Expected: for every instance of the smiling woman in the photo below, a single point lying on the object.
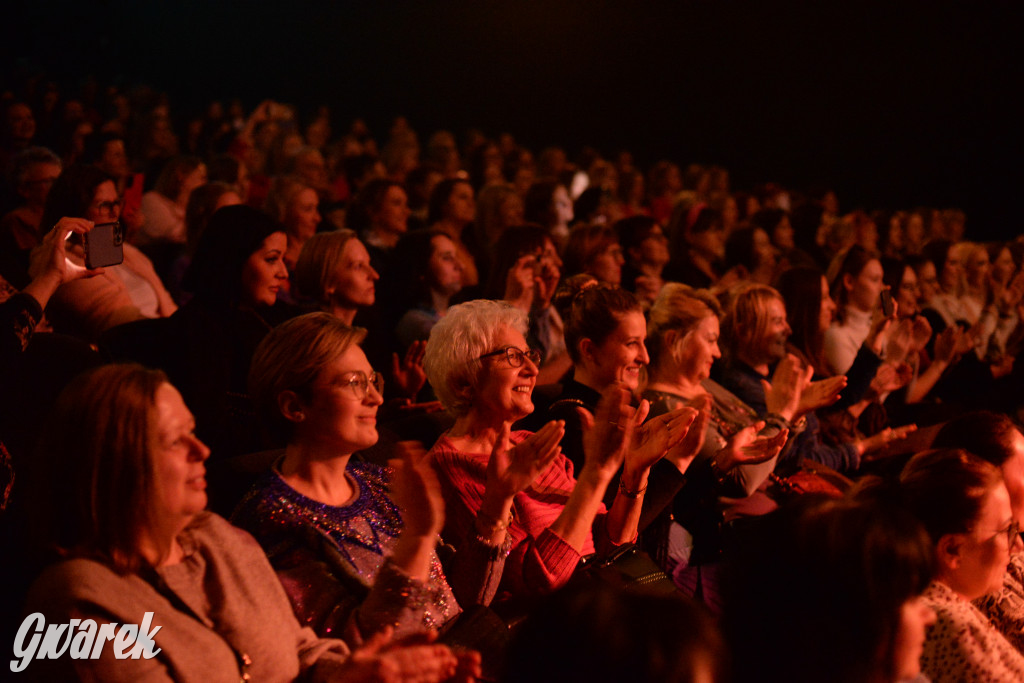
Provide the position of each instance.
(136, 546)
(498, 481)
(352, 542)
(604, 334)
(128, 519)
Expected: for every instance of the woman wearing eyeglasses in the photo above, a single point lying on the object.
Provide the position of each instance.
(121, 293)
(514, 485)
(353, 543)
(963, 502)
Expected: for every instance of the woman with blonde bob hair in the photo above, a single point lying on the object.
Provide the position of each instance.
(353, 543)
(499, 481)
(334, 271)
(738, 449)
(682, 339)
(126, 515)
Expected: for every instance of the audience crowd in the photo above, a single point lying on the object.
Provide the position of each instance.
(349, 407)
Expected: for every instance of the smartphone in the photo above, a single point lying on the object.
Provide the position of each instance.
(887, 305)
(538, 266)
(104, 245)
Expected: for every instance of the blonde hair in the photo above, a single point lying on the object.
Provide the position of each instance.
(746, 320)
(678, 308)
(291, 358)
(318, 262)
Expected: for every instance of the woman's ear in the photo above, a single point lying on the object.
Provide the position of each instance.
(587, 349)
(949, 551)
(290, 405)
(848, 282)
(465, 390)
(670, 343)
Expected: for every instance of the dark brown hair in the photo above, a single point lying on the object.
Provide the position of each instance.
(801, 290)
(594, 314)
(946, 489)
(98, 466)
(586, 243)
(841, 571)
(986, 434)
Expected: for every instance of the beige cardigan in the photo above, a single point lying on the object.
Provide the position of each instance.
(236, 606)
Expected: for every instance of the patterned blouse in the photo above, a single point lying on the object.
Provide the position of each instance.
(1005, 608)
(963, 645)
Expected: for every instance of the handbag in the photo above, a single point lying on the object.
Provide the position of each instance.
(812, 477)
(629, 569)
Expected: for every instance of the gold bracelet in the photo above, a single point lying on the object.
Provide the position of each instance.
(497, 524)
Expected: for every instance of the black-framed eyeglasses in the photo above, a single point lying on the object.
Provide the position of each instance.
(358, 382)
(515, 357)
(1012, 532)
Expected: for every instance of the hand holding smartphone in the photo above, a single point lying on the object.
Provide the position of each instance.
(104, 245)
(888, 306)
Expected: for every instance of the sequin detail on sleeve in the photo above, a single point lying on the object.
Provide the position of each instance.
(333, 560)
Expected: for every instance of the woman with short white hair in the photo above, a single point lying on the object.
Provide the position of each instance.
(497, 480)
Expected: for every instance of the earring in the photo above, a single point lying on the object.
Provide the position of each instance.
(300, 416)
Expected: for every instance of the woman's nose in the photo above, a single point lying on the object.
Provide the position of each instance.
(373, 396)
(199, 449)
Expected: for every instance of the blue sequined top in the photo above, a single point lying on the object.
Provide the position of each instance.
(332, 560)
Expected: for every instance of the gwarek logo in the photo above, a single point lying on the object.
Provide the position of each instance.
(131, 641)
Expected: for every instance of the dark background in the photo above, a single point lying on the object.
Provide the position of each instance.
(893, 106)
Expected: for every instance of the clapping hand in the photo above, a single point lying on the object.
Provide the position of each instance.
(408, 372)
(921, 334)
(683, 453)
(824, 392)
(746, 448)
(883, 438)
(656, 437)
(417, 491)
(511, 470)
(412, 659)
(782, 395)
(901, 339)
(607, 435)
(891, 376)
